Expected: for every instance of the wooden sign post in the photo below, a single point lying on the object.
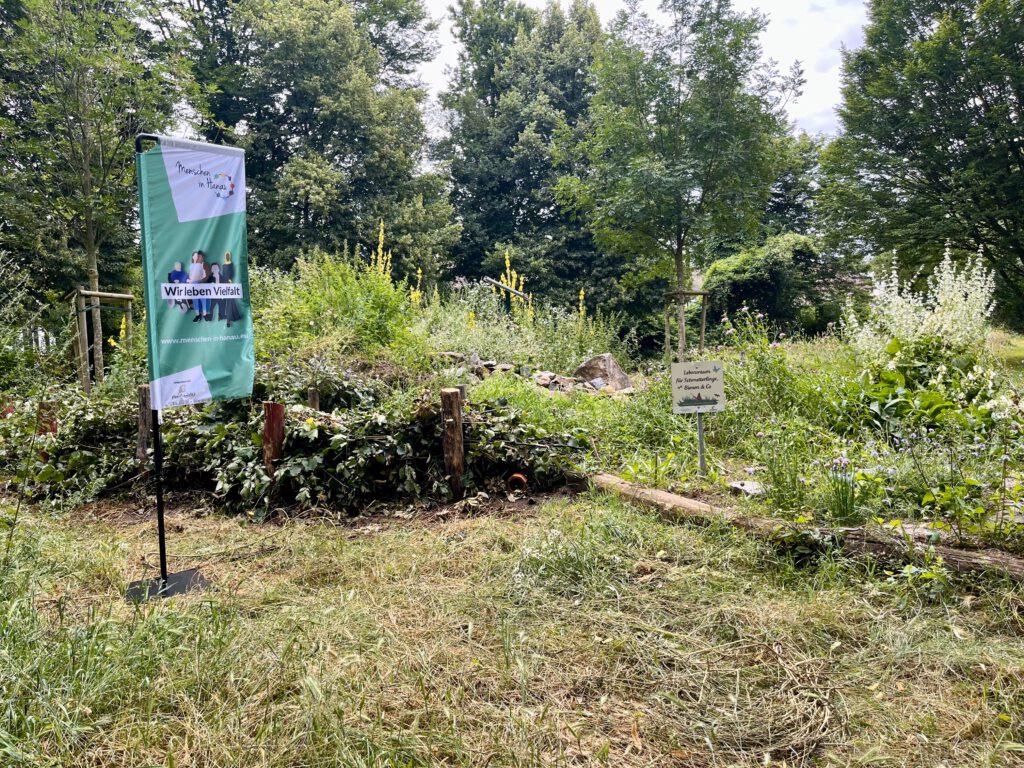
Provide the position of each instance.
(697, 386)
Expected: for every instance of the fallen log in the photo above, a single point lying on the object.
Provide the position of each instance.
(860, 540)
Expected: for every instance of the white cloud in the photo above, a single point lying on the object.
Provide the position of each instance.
(809, 31)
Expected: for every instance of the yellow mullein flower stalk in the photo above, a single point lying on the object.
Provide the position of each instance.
(471, 319)
(380, 242)
(416, 294)
(583, 307)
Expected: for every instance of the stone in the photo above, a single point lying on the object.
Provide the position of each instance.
(606, 368)
(504, 367)
(491, 364)
(543, 378)
(747, 487)
(562, 383)
(598, 383)
(455, 357)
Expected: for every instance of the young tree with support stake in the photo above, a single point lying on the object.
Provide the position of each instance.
(680, 155)
(81, 78)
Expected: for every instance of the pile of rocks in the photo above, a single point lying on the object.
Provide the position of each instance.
(599, 374)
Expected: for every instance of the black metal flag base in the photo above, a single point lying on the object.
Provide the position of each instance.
(166, 584)
(175, 584)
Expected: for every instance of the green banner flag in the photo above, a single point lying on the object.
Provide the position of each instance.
(195, 271)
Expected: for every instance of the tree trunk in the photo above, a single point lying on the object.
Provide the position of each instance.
(97, 321)
(680, 298)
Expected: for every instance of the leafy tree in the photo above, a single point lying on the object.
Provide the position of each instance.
(220, 51)
(523, 85)
(402, 34)
(792, 202)
(315, 91)
(680, 156)
(81, 79)
(931, 152)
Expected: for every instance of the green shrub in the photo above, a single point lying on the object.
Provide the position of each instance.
(783, 279)
(475, 320)
(332, 303)
(334, 463)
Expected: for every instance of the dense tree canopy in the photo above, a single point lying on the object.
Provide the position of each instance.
(621, 160)
(931, 153)
(80, 79)
(523, 83)
(316, 93)
(679, 156)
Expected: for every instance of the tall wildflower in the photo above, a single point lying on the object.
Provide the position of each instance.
(380, 262)
(416, 294)
(954, 309)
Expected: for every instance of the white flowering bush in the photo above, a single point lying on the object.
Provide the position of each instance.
(952, 313)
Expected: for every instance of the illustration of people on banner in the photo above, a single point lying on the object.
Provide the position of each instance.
(219, 302)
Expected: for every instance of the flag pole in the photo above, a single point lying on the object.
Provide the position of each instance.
(167, 584)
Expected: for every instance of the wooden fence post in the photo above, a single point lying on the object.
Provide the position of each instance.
(145, 428)
(83, 341)
(454, 452)
(273, 434)
(129, 321)
(313, 398)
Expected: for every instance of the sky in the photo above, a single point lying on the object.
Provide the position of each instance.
(812, 32)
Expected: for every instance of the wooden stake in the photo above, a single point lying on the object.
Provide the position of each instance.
(273, 434)
(313, 398)
(145, 420)
(454, 452)
(83, 342)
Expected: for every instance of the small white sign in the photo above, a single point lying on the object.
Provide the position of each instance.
(183, 388)
(698, 387)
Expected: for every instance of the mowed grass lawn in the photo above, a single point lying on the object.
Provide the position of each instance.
(577, 632)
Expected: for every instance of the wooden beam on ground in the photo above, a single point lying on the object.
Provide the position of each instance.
(676, 507)
(454, 452)
(856, 540)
